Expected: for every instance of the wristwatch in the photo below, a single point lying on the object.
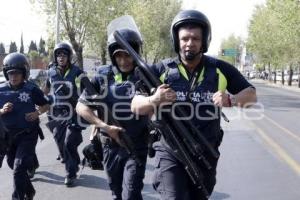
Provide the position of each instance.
(233, 100)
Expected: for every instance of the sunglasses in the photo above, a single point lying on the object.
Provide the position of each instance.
(62, 53)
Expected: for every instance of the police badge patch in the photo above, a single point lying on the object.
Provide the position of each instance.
(24, 97)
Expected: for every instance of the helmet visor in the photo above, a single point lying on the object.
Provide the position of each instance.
(14, 71)
(119, 50)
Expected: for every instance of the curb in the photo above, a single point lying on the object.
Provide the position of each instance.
(278, 85)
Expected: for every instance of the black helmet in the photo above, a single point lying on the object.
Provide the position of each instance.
(16, 61)
(132, 37)
(63, 46)
(191, 17)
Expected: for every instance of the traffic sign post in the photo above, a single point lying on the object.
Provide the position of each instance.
(229, 52)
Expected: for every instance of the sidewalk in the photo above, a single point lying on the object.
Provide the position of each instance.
(293, 87)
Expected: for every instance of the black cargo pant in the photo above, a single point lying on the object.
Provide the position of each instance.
(172, 182)
(68, 138)
(125, 176)
(20, 158)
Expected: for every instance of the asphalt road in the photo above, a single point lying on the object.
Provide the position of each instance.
(260, 157)
(261, 149)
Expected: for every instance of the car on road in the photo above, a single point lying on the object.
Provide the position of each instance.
(253, 74)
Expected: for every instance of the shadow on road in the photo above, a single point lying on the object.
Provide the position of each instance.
(92, 181)
(84, 180)
(219, 196)
(50, 178)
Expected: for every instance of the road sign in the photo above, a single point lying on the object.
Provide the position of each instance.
(229, 52)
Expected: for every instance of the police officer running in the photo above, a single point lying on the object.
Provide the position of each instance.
(64, 83)
(18, 101)
(116, 83)
(191, 36)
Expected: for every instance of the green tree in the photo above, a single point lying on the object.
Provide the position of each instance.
(2, 48)
(258, 42)
(152, 17)
(274, 34)
(85, 22)
(75, 18)
(32, 47)
(50, 48)
(155, 18)
(33, 56)
(22, 45)
(13, 47)
(287, 13)
(232, 42)
(42, 50)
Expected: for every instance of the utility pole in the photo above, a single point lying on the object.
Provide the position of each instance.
(57, 21)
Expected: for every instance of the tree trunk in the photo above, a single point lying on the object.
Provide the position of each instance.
(155, 60)
(103, 55)
(78, 51)
(269, 72)
(298, 74)
(290, 75)
(145, 56)
(79, 59)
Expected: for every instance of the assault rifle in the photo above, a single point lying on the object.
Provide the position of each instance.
(183, 137)
(126, 141)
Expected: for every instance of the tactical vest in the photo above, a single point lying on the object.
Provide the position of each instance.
(69, 78)
(22, 104)
(203, 113)
(118, 98)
